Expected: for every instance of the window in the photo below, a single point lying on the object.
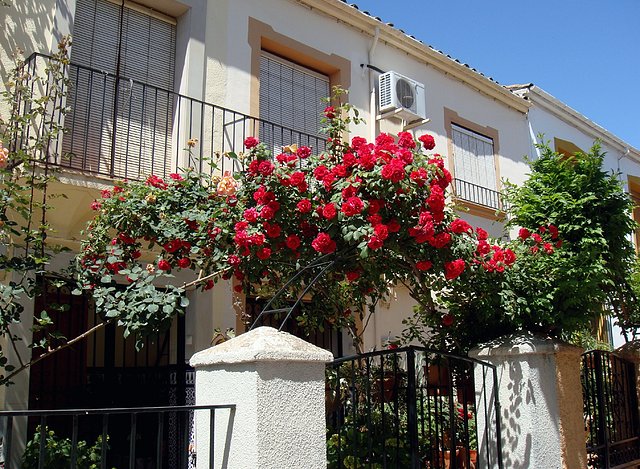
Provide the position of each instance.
(472, 159)
(289, 78)
(291, 103)
(121, 107)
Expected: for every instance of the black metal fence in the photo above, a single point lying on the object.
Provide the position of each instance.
(123, 128)
(610, 411)
(156, 437)
(411, 408)
(477, 194)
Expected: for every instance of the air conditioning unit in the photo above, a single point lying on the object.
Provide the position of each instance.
(400, 96)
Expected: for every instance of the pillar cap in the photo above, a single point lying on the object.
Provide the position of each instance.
(263, 344)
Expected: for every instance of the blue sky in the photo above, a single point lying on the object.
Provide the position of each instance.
(586, 53)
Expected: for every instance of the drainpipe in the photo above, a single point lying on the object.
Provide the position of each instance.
(372, 87)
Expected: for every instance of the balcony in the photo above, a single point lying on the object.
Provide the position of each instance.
(121, 128)
(478, 195)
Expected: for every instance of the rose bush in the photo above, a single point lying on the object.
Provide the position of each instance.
(376, 210)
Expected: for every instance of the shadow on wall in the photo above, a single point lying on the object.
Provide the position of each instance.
(27, 28)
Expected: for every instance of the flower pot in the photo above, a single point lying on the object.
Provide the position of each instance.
(437, 379)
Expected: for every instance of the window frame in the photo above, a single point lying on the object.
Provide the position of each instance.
(451, 119)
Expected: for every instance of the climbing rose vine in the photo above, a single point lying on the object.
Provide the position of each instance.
(377, 210)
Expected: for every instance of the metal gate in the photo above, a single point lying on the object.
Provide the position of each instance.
(412, 407)
(610, 411)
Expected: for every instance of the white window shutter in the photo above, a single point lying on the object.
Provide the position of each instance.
(291, 98)
(145, 110)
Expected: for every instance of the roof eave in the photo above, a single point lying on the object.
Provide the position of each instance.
(341, 11)
(538, 96)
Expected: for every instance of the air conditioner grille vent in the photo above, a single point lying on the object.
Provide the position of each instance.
(406, 94)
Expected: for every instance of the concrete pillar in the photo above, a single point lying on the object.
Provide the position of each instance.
(541, 407)
(631, 351)
(276, 381)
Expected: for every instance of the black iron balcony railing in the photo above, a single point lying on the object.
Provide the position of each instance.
(123, 128)
(477, 194)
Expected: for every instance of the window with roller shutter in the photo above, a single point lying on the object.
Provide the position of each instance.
(291, 98)
(121, 111)
(474, 166)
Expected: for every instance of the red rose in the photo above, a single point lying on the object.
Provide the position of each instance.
(267, 212)
(136, 254)
(293, 242)
(394, 171)
(304, 206)
(320, 172)
(323, 244)
(176, 177)
(105, 194)
(234, 260)
(250, 142)
(509, 256)
(303, 152)
(164, 265)
(330, 112)
(352, 206)
(264, 253)
(184, 262)
(405, 140)
(424, 265)
(453, 269)
(482, 234)
(447, 320)
(524, 233)
(553, 230)
(393, 226)
(266, 168)
(352, 275)
(156, 181)
(375, 242)
(95, 205)
(329, 211)
(172, 246)
(126, 239)
(536, 237)
(548, 248)
(272, 230)
(428, 141)
(459, 226)
(251, 215)
(381, 231)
